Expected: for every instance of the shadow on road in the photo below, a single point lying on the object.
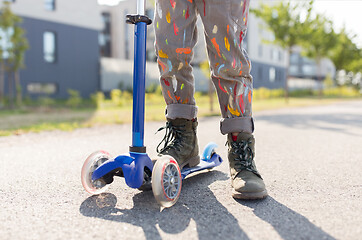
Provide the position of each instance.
(289, 224)
(197, 202)
(331, 122)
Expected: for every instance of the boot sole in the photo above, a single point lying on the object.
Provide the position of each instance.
(191, 163)
(249, 195)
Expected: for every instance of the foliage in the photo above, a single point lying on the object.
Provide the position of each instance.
(345, 52)
(127, 95)
(303, 93)
(46, 101)
(342, 91)
(97, 99)
(265, 93)
(356, 63)
(11, 53)
(74, 99)
(152, 88)
(328, 82)
(294, 23)
(116, 97)
(320, 39)
(286, 22)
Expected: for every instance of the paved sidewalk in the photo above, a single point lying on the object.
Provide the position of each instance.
(309, 157)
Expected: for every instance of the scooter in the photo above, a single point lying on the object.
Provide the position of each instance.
(165, 176)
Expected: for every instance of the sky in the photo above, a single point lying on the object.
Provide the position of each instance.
(341, 12)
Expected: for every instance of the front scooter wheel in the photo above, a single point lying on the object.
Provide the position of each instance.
(166, 181)
(92, 163)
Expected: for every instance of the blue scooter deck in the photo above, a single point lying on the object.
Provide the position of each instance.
(214, 161)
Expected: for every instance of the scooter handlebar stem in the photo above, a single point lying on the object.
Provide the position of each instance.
(141, 7)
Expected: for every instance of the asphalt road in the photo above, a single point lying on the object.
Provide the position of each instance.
(310, 158)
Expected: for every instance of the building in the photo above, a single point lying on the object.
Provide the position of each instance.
(81, 45)
(64, 47)
(306, 73)
(268, 61)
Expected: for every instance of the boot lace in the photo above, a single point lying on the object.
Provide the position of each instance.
(171, 139)
(245, 156)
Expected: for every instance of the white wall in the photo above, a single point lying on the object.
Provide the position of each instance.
(82, 13)
(256, 34)
(116, 71)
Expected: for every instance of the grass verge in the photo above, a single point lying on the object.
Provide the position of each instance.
(67, 119)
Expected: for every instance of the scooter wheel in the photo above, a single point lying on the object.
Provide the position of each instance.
(166, 181)
(91, 163)
(209, 150)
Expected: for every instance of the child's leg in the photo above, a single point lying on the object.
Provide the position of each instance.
(176, 35)
(225, 24)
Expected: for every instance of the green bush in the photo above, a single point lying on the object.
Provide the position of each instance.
(342, 91)
(97, 98)
(152, 88)
(116, 95)
(302, 93)
(46, 101)
(265, 93)
(158, 90)
(127, 96)
(74, 99)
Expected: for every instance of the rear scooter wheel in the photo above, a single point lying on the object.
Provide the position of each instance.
(92, 163)
(166, 181)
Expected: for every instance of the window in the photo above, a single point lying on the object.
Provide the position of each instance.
(260, 73)
(294, 70)
(309, 70)
(49, 5)
(105, 36)
(49, 47)
(126, 39)
(274, 55)
(150, 12)
(294, 58)
(280, 55)
(260, 50)
(272, 74)
(42, 88)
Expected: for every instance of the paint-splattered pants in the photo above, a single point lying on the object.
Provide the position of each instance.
(225, 24)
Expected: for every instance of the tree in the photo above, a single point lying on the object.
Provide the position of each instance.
(16, 60)
(346, 56)
(346, 52)
(287, 23)
(11, 51)
(356, 64)
(319, 42)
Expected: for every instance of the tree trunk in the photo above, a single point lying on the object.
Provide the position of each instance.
(2, 83)
(11, 90)
(319, 78)
(211, 96)
(19, 98)
(286, 87)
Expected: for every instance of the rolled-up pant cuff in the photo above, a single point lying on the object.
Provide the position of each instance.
(236, 125)
(186, 111)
